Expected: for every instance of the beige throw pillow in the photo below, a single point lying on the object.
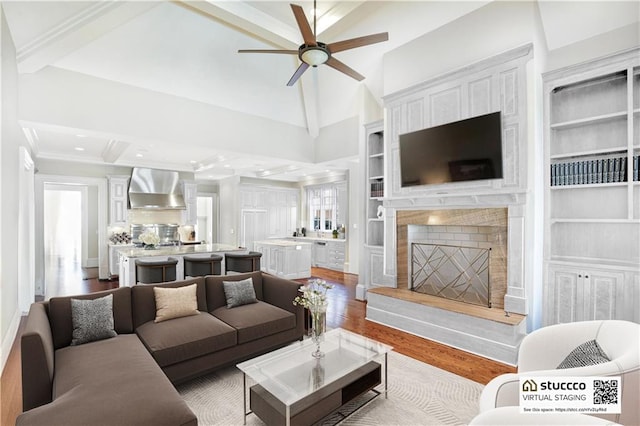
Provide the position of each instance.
(175, 302)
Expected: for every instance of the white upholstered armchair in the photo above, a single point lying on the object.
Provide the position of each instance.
(543, 350)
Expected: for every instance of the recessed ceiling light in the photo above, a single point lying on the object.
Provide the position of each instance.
(81, 136)
(139, 155)
(79, 148)
(193, 161)
(227, 165)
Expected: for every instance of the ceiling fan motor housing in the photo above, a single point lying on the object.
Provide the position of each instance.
(314, 55)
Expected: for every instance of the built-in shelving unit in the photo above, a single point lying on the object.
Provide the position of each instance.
(375, 183)
(592, 226)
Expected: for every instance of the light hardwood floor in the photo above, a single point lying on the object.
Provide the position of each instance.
(344, 311)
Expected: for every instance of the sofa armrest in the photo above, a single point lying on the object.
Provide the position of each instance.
(37, 355)
(280, 292)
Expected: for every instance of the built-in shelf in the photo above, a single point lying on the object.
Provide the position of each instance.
(376, 177)
(588, 185)
(590, 120)
(378, 155)
(593, 223)
(593, 152)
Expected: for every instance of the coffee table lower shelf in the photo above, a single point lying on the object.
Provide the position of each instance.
(318, 404)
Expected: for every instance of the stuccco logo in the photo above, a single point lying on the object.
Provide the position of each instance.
(529, 386)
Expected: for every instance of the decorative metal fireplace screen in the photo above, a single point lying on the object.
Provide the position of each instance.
(452, 272)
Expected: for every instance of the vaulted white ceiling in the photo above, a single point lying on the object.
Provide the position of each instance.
(189, 50)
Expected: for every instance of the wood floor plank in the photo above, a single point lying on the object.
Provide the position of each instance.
(344, 311)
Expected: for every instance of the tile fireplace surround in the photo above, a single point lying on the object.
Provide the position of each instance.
(480, 330)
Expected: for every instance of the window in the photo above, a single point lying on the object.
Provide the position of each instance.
(323, 207)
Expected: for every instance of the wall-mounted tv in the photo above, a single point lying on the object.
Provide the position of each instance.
(463, 150)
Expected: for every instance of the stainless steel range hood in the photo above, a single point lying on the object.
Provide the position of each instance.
(155, 189)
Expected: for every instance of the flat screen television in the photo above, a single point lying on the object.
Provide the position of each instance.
(463, 150)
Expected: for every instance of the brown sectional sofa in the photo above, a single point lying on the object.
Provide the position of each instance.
(128, 379)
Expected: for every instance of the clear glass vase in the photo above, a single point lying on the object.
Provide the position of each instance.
(318, 326)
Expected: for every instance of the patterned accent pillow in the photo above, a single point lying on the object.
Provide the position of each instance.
(588, 353)
(92, 320)
(175, 302)
(239, 293)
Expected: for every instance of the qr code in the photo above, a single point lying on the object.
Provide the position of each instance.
(605, 391)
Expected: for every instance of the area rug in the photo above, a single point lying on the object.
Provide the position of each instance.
(419, 394)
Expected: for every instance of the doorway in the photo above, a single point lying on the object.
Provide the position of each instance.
(207, 216)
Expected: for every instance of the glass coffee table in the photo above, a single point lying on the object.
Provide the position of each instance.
(293, 388)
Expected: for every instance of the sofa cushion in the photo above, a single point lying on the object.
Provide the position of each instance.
(143, 299)
(185, 338)
(239, 293)
(175, 302)
(92, 320)
(588, 353)
(215, 288)
(62, 324)
(113, 381)
(256, 320)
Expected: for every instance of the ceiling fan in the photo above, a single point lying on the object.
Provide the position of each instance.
(314, 53)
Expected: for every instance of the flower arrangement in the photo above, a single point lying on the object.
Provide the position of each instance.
(149, 238)
(314, 294)
(314, 298)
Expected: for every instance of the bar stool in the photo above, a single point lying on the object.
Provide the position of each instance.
(242, 262)
(199, 266)
(149, 271)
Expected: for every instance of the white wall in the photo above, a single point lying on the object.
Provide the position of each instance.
(12, 138)
(339, 140)
(229, 213)
(492, 29)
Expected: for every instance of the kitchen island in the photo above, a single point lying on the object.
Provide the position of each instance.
(285, 258)
(128, 258)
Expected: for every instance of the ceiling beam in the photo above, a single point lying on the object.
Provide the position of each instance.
(335, 14)
(76, 31)
(250, 20)
(309, 92)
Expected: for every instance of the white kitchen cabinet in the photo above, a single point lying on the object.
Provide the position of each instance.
(335, 255)
(118, 208)
(285, 258)
(575, 293)
(190, 195)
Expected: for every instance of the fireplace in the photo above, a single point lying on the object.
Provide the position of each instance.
(455, 272)
(458, 254)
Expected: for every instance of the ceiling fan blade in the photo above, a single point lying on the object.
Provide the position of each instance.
(307, 35)
(339, 46)
(286, 52)
(340, 66)
(296, 75)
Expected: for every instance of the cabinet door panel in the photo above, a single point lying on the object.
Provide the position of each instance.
(604, 295)
(566, 307)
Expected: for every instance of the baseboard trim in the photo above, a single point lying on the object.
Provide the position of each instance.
(9, 338)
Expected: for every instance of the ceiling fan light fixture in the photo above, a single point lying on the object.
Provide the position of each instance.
(314, 56)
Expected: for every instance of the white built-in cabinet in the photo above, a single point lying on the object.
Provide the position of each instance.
(592, 192)
(190, 195)
(267, 212)
(118, 208)
(372, 260)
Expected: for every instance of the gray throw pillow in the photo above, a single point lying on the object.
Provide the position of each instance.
(588, 353)
(239, 293)
(92, 320)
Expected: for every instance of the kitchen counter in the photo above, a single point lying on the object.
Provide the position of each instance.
(128, 258)
(179, 250)
(285, 258)
(342, 240)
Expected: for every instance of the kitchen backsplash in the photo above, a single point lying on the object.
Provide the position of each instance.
(155, 216)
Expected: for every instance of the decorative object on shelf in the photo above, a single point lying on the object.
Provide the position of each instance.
(380, 212)
(314, 298)
(149, 239)
(335, 233)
